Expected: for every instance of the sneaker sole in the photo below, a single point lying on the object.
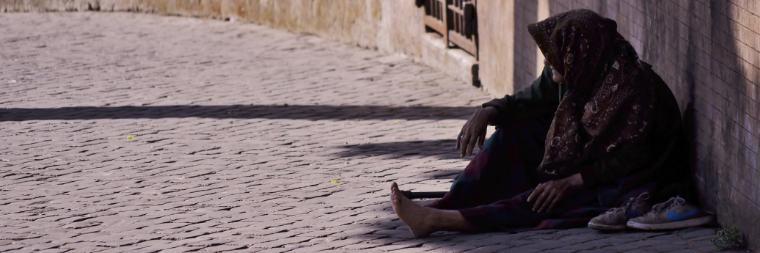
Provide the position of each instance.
(671, 225)
(605, 227)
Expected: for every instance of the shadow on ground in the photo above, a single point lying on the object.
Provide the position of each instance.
(442, 149)
(306, 112)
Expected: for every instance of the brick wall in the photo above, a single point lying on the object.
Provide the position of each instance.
(709, 54)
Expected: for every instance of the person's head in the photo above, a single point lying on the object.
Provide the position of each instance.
(576, 45)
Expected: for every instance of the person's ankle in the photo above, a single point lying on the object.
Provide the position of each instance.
(443, 220)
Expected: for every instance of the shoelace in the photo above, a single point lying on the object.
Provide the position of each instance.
(674, 201)
(628, 203)
(615, 210)
(633, 200)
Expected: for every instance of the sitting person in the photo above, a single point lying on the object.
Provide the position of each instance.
(597, 128)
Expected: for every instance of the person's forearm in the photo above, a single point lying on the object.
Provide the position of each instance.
(492, 113)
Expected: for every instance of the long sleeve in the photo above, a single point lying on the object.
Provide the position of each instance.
(540, 99)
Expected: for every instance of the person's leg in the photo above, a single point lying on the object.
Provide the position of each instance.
(502, 169)
(507, 214)
(573, 210)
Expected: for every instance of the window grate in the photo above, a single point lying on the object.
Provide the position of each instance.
(454, 20)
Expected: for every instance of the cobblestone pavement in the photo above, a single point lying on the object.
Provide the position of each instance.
(138, 133)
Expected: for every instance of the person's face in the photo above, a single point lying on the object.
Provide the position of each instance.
(556, 76)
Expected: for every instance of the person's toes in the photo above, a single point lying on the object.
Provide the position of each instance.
(395, 194)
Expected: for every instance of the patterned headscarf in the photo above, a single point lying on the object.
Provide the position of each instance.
(607, 104)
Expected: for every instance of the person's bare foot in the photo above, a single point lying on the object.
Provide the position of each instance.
(415, 216)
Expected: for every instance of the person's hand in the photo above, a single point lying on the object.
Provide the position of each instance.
(474, 131)
(546, 195)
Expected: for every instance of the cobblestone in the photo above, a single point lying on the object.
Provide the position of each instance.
(140, 133)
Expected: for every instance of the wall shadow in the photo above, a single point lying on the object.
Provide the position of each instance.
(305, 112)
(696, 52)
(728, 178)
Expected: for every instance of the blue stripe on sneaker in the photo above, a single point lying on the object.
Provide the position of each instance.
(676, 216)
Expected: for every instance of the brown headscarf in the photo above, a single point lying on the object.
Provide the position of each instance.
(607, 105)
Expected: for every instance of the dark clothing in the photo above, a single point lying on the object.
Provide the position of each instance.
(492, 192)
(617, 124)
(665, 154)
(609, 106)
